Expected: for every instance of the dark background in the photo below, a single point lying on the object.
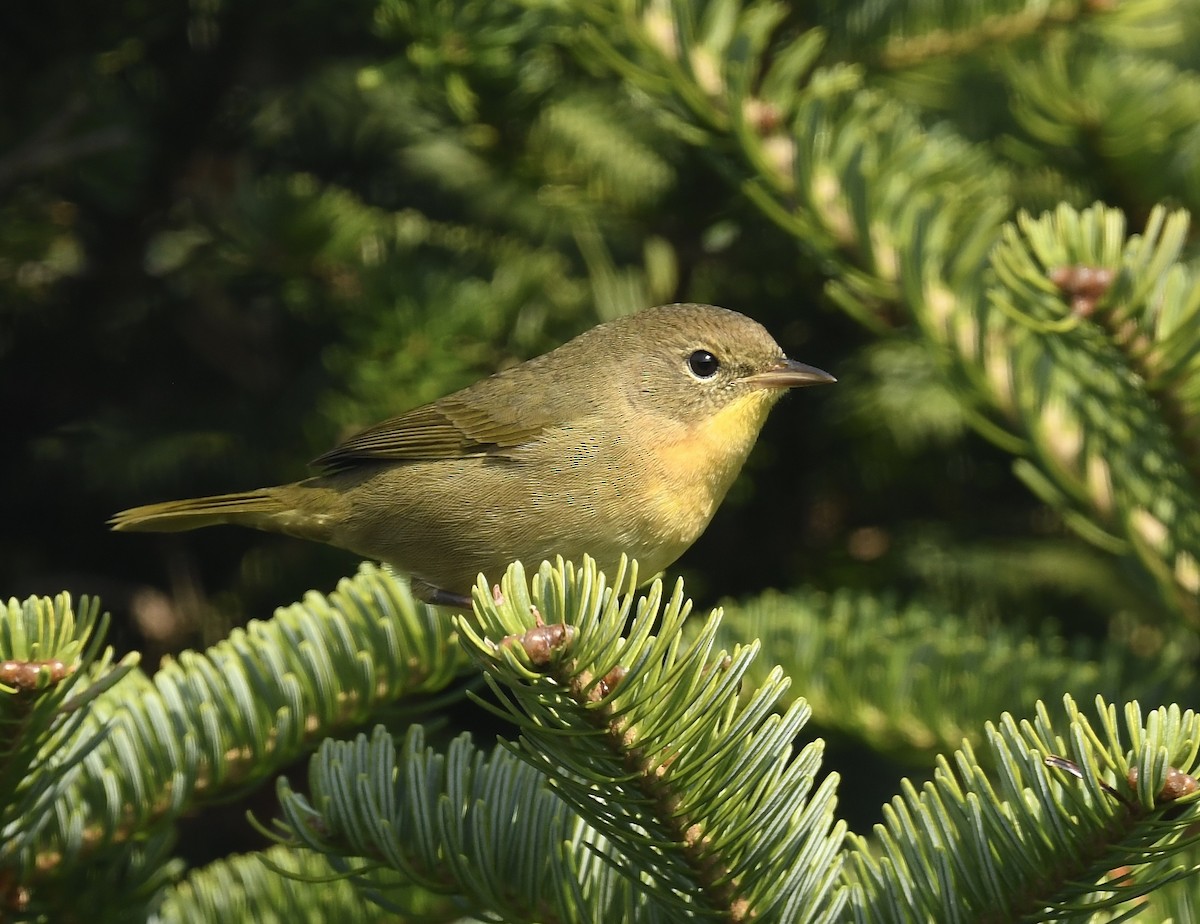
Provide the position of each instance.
(232, 235)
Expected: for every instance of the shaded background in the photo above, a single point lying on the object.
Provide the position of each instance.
(232, 235)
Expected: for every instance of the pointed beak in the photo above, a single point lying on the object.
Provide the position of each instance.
(787, 373)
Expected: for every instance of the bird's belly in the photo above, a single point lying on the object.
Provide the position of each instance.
(447, 521)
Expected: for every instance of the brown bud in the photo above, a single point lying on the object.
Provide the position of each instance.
(24, 674)
(609, 681)
(1085, 285)
(1177, 784)
(763, 116)
(542, 641)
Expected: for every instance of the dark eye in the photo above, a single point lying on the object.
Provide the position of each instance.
(703, 364)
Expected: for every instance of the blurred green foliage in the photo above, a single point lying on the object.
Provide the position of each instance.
(234, 242)
(232, 234)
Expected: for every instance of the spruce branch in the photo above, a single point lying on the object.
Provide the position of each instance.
(297, 886)
(1124, 116)
(912, 218)
(641, 787)
(1100, 389)
(909, 41)
(1069, 824)
(52, 669)
(484, 830)
(845, 170)
(645, 736)
(913, 33)
(917, 680)
(211, 723)
(646, 783)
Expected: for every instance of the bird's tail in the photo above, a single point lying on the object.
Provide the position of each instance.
(261, 509)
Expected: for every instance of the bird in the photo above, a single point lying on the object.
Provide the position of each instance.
(622, 440)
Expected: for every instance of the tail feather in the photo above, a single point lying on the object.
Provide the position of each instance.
(247, 508)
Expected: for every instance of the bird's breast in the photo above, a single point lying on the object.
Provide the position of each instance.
(696, 465)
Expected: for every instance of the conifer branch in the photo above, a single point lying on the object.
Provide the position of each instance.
(281, 884)
(691, 776)
(666, 795)
(911, 40)
(645, 784)
(1067, 824)
(214, 722)
(917, 680)
(52, 670)
(913, 218)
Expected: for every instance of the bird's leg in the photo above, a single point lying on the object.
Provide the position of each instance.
(435, 596)
(441, 597)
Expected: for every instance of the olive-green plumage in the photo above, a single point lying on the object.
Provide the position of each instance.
(624, 439)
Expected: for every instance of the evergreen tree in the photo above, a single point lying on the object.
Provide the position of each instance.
(232, 235)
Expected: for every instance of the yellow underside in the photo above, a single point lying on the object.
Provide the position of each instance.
(696, 470)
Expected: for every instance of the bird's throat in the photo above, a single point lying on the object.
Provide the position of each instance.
(697, 468)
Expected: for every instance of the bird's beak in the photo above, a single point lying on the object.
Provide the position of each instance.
(787, 373)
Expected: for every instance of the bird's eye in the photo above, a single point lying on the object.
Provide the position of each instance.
(703, 364)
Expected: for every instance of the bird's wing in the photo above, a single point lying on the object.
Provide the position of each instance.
(462, 424)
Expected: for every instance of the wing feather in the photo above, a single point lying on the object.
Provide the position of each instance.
(453, 427)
